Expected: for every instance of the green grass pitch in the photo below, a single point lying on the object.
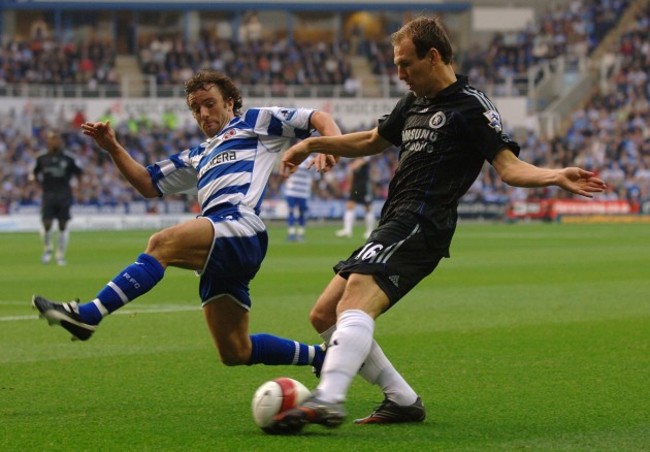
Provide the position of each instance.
(531, 337)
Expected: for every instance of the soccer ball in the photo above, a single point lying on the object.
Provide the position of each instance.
(276, 396)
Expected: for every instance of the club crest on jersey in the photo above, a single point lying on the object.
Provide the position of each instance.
(229, 134)
(437, 120)
(494, 120)
(287, 113)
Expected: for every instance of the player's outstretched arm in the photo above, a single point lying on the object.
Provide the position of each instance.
(521, 174)
(579, 181)
(134, 172)
(324, 123)
(355, 144)
(326, 126)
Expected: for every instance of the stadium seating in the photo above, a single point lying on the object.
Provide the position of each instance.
(608, 133)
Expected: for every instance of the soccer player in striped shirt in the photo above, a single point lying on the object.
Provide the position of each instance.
(297, 191)
(227, 242)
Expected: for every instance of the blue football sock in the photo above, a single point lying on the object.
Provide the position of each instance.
(135, 280)
(274, 350)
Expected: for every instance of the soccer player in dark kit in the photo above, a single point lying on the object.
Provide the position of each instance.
(54, 171)
(447, 130)
(360, 194)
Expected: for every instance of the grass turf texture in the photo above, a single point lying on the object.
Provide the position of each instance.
(532, 336)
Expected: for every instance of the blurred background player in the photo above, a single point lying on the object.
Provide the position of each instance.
(360, 194)
(297, 191)
(54, 171)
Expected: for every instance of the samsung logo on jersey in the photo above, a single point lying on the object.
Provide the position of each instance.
(418, 134)
(419, 139)
(230, 156)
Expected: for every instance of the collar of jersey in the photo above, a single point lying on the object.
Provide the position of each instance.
(230, 125)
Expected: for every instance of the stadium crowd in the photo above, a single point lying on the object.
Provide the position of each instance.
(610, 134)
(40, 57)
(49, 61)
(571, 32)
(251, 62)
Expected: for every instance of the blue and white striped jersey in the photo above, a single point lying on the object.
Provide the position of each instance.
(298, 185)
(233, 167)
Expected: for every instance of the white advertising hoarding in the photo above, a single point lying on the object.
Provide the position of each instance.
(351, 113)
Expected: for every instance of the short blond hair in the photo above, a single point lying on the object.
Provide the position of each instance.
(426, 33)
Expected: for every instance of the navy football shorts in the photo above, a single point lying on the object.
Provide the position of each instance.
(398, 255)
(238, 249)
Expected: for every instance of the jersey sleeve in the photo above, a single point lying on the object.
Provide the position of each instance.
(75, 167)
(174, 175)
(38, 167)
(280, 121)
(390, 126)
(489, 136)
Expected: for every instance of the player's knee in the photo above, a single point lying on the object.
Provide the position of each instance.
(155, 240)
(158, 243)
(232, 361)
(321, 319)
(234, 355)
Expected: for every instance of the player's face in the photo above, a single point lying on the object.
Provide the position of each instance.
(53, 142)
(210, 110)
(417, 73)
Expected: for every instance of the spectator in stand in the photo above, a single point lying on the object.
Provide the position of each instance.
(39, 30)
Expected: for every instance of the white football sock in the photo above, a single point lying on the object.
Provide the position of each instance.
(64, 238)
(346, 353)
(327, 334)
(370, 221)
(348, 220)
(46, 236)
(377, 369)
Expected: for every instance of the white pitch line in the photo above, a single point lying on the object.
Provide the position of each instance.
(172, 309)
